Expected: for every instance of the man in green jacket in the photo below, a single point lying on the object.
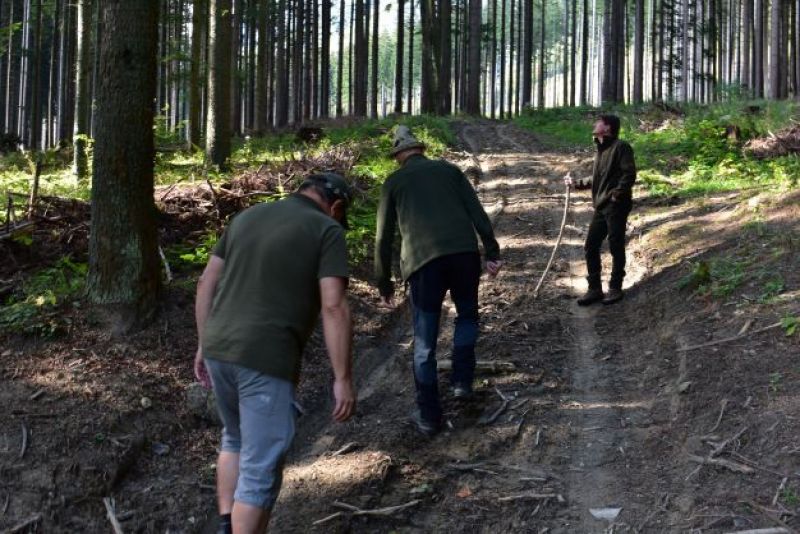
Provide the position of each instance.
(276, 267)
(612, 182)
(437, 213)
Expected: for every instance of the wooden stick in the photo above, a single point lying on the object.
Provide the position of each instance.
(167, 270)
(19, 527)
(348, 447)
(555, 248)
(112, 516)
(492, 366)
(326, 519)
(388, 510)
(772, 530)
(780, 489)
(729, 339)
(719, 448)
(723, 403)
(733, 466)
(532, 496)
(24, 446)
(496, 413)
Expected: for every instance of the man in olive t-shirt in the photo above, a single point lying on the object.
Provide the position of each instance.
(275, 268)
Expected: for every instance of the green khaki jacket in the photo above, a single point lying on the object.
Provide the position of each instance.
(614, 170)
(437, 212)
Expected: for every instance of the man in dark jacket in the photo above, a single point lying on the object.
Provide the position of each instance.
(437, 213)
(612, 181)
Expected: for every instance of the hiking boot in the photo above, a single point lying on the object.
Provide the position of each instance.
(613, 295)
(425, 427)
(591, 296)
(461, 391)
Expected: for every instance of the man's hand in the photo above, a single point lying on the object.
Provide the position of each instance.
(387, 302)
(493, 267)
(345, 396)
(200, 371)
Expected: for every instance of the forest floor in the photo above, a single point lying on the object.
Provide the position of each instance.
(675, 410)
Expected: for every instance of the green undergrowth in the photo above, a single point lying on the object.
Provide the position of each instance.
(758, 269)
(370, 139)
(35, 307)
(685, 152)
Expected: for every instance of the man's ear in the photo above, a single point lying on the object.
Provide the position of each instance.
(338, 209)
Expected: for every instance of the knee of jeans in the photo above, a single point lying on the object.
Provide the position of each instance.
(259, 489)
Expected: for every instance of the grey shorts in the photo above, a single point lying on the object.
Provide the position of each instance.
(258, 416)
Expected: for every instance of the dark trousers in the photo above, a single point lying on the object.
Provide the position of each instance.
(460, 274)
(608, 221)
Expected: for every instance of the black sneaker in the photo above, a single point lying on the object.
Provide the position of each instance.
(460, 391)
(591, 296)
(613, 295)
(425, 427)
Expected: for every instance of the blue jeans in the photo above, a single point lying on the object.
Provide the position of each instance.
(460, 274)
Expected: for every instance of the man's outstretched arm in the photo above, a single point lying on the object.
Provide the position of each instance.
(338, 330)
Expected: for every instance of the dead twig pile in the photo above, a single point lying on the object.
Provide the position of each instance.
(775, 145)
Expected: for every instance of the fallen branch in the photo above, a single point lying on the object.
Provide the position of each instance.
(723, 405)
(555, 247)
(19, 527)
(771, 530)
(167, 270)
(729, 339)
(383, 512)
(24, 445)
(532, 496)
(492, 366)
(112, 517)
(780, 489)
(733, 466)
(326, 519)
(349, 447)
(492, 418)
(721, 446)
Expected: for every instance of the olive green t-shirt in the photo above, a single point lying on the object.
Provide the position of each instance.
(267, 300)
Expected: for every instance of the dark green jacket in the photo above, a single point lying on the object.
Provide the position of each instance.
(437, 212)
(614, 170)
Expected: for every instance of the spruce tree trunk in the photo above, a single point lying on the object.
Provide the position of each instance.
(83, 64)
(758, 50)
(123, 245)
(638, 51)
(493, 52)
(511, 49)
(218, 120)
(340, 66)
(573, 45)
(444, 67)
(502, 58)
(775, 70)
(199, 21)
(35, 135)
(410, 92)
(281, 81)
(325, 62)
(398, 62)
(527, 51)
(474, 59)
(583, 94)
(543, 58)
(261, 90)
(375, 66)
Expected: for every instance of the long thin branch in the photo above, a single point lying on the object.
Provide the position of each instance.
(555, 248)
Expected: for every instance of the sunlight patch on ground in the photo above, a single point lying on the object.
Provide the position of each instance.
(329, 472)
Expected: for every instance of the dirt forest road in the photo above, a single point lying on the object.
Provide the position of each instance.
(554, 438)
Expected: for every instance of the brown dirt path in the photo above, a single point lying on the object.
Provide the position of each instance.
(567, 429)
